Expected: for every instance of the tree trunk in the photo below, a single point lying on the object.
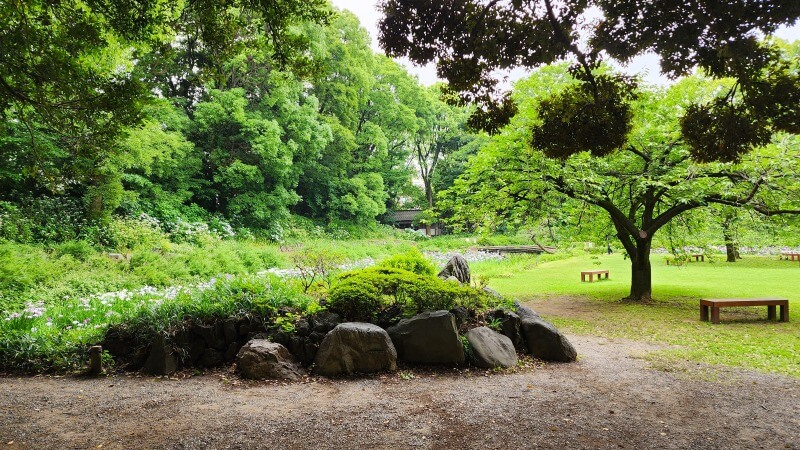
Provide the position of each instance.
(428, 191)
(641, 271)
(428, 196)
(731, 249)
(730, 246)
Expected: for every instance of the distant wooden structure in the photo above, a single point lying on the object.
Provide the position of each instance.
(407, 218)
(537, 249)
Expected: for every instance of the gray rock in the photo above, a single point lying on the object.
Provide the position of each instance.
(524, 312)
(232, 351)
(512, 328)
(213, 335)
(492, 292)
(461, 314)
(260, 359)
(211, 358)
(302, 349)
(302, 328)
(161, 360)
(243, 327)
(316, 337)
(545, 341)
(428, 338)
(355, 347)
(456, 267)
(229, 330)
(191, 346)
(117, 256)
(324, 321)
(491, 349)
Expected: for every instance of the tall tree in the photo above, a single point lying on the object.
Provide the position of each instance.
(439, 133)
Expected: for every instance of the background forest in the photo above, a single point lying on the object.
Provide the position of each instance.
(209, 119)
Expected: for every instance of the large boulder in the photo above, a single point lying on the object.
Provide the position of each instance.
(456, 267)
(355, 347)
(324, 321)
(510, 326)
(161, 359)
(428, 338)
(260, 359)
(524, 312)
(545, 342)
(491, 349)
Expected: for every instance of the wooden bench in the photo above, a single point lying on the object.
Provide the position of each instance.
(592, 273)
(790, 255)
(716, 303)
(699, 257)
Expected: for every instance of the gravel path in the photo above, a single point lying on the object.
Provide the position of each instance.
(611, 398)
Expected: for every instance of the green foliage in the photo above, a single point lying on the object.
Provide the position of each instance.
(383, 286)
(43, 219)
(55, 336)
(356, 299)
(472, 42)
(316, 264)
(594, 117)
(629, 194)
(80, 250)
(469, 354)
(125, 234)
(412, 261)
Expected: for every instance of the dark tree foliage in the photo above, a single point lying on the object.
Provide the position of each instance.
(598, 120)
(470, 39)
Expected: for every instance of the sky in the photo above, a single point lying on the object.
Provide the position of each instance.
(647, 64)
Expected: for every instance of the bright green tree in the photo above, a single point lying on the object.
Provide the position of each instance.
(643, 186)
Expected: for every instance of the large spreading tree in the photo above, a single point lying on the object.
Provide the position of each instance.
(593, 114)
(642, 187)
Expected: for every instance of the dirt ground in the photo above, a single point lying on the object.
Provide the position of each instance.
(610, 398)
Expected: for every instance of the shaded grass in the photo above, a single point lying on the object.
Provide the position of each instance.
(745, 338)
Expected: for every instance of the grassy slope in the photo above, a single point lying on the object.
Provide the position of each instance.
(746, 339)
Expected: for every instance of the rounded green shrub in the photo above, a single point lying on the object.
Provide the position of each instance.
(355, 299)
(412, 261)
(80, 250)
(413, 292)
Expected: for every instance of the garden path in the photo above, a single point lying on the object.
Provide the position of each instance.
(610, 398)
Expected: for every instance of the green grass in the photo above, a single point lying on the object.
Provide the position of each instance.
(744, 339)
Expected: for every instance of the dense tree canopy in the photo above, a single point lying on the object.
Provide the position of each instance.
(240, 111)
(470, 40)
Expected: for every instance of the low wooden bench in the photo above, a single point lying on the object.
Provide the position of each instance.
(790, 255)
(592, 273)
(716, 303)
(699, 257)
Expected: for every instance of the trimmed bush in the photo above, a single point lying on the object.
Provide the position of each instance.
(377, 288)
(412, 261)
(356, 300)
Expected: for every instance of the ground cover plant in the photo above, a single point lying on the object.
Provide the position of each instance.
(54, 337)
(58, 301)
(743, 339)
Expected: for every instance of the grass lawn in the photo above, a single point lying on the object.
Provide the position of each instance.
(744, 338)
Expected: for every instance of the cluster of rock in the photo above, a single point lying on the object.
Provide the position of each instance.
(215, 344)
(332, 348)
(428, 338)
